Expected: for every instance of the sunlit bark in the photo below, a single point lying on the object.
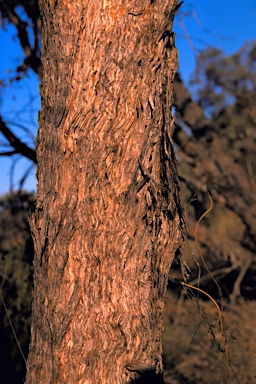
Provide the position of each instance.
(108, 220)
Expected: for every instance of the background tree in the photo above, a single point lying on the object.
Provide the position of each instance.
(216, 140)
(222, 113)
(16, 137)
(16, 256)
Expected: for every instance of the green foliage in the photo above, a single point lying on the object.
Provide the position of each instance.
(225, 80)
(216, 153)
(226, 89)
(16, 255)
(220, 157)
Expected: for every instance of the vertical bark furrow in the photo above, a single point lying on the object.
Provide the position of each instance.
(108, 219)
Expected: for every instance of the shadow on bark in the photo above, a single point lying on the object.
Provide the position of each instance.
(148, 377)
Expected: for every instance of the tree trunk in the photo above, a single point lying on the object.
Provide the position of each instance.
(108, 219)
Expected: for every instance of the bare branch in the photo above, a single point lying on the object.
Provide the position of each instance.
(8, 153)
(18, 146)
(32, 59)
(21, 28)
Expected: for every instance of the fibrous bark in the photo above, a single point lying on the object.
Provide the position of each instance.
(108, 220)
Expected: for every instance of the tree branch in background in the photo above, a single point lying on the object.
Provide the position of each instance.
(21, 27)
(206, 159)
(18, 146)
(189, 111)
(215, 150)
(32, 53)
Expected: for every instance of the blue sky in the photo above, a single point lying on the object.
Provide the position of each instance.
(226, 24)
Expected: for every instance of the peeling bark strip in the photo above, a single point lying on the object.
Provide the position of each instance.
(108, 220)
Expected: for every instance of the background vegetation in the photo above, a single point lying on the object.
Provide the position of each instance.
(215, 142)
(16, 274)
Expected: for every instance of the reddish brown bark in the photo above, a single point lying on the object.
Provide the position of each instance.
(108, 220)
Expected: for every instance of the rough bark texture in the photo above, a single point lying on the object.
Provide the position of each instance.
(108, 220)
